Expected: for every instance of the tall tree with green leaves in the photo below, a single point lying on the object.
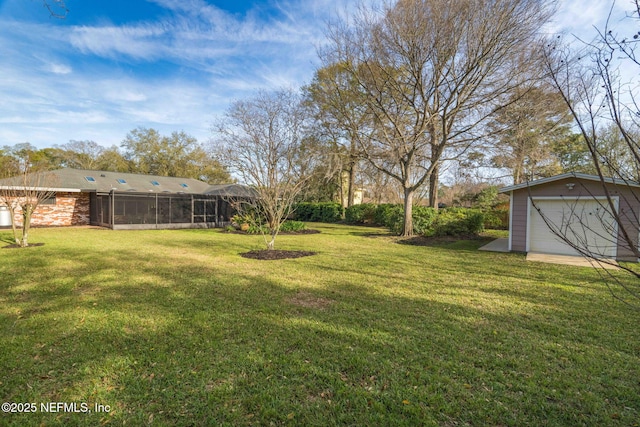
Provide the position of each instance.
(572, 154)
(342, 119)
(179, 154)
(526, 132)
(38, 159)
(112, 159)
(82, 154)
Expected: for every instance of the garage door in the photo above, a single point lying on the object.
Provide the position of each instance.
(585, 222)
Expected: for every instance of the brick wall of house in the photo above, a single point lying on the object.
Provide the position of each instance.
(69, 209)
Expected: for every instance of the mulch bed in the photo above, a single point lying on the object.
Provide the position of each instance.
(265, 254)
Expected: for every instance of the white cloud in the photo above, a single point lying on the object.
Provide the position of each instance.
(60, 68)
(118, 94)
(54, 66)
(581, 18)
(140, 42)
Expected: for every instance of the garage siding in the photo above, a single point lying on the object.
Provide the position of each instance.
(519, 222)
(628, 208)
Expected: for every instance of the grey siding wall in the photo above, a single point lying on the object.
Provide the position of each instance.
(628, 209)
(519, 221)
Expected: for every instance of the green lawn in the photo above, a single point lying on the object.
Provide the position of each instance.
(175, 328)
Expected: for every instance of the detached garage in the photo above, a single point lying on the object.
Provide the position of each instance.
(574, 206)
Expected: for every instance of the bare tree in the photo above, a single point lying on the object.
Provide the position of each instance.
(429, 73)
(8, 193)
(599, 83)
(22, 194)
(261, 140)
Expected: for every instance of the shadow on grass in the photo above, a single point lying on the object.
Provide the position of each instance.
(447, 242)
(7, 238)
(371, 234)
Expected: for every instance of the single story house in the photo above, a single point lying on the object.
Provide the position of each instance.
(574, 205)
(131, 201)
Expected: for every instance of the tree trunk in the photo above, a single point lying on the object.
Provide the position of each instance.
(343, 202)
(352, 177)
(27, 211)
(273, 232)
(12, 212)
(433, 187)
(517, 176)
(408, 212)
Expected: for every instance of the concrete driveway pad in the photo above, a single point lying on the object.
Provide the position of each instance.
(572, 260)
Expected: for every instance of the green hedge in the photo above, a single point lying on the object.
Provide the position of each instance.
(318, 212)
(361, 214)
(390, 216)
(290, 226)
(497, 219)
(426, 221)
(423, 219)
(287, 226)
(457, 222)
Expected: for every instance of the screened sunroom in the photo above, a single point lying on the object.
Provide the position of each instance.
(130, 210)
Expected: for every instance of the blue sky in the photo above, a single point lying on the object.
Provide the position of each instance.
(172, 65)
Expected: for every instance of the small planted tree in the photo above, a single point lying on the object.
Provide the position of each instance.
(22, 194)
(261, 140)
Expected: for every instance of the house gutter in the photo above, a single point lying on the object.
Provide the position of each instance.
(57, 190)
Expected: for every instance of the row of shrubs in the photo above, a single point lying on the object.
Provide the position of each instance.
(241, 223)
(288, 226)
(426, 221)
(328, 212)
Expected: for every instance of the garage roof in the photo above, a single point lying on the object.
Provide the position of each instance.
(565, 176)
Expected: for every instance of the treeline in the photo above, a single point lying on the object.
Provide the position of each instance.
(143, 151)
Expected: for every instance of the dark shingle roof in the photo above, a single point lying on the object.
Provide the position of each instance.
(104, 181)
(231, 190)
(119, 181)
(81, 180)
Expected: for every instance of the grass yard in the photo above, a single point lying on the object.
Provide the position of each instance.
(175, 328)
